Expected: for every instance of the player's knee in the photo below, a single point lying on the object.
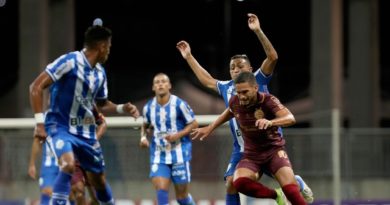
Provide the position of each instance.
(230, 189)
(68, 167)
(47, 191)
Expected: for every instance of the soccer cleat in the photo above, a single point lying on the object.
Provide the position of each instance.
(305, 190)
(280, 197)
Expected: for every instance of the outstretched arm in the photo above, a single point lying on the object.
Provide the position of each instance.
(203, 76)
(204, 132)
(272, 56)
(107, 107)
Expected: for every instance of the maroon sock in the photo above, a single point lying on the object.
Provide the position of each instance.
(293, 195)
(253, 188)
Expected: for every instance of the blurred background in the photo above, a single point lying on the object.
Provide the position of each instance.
(332, 73)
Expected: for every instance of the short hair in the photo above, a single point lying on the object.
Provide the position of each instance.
(95, 34)
(242, 56)
(245, 77)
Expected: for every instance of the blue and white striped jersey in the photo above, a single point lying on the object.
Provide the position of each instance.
(226, 90)
(76, 86)
(169, 118)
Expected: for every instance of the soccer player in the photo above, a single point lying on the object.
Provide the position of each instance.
(48, 172)
(238, 64)
(259, 116)
(77, 80)
(171, 120)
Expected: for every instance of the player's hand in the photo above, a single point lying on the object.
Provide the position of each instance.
(253, 22)
(131, 109)
(201, 133)
(184, 49)
(39, 132)
(172, 137)
(144, 142)
(263, 124)
(32, 172)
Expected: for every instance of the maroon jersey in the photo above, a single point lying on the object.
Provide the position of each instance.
(259, 145)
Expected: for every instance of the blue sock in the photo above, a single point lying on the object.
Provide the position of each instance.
(232, 199)
(186, 201)
(162, 197)
(45, 199)
(61, 188)
(105, 195)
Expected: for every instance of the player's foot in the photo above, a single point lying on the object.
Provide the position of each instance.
(280, 197)
(305, 190)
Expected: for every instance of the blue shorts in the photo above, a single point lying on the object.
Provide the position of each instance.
(47, 176)
(234, 159)
(87, 151)
(178, 173)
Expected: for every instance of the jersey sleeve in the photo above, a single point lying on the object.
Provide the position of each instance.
(102, 93)
(273, 103)
(262, 80)
(221, 86)
(61, 66)
(145, 114)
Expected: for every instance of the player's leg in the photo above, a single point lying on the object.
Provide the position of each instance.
(46, 193)
(101, 186)
(78, 187)
(232, 197)
(181, 177)
(90, 156)
(160, 175)
(46, 182)
(280, 166)
(62, 146)
(246, 182)
(305, 190)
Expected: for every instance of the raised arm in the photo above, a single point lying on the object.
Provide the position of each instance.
(204, 132)
(203, 76)
(269, 63)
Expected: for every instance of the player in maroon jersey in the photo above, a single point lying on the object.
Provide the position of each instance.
(259, 115)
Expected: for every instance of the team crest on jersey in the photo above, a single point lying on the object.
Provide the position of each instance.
(60, 144)
(259, 114)
(154, 167)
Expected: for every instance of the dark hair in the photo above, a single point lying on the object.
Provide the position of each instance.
(95, 34)
(242, 56)
(245, 77)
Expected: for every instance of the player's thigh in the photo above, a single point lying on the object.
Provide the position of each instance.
(161, 176)
(246, 168)
(281, 168)
(181, 173)
(97, 180)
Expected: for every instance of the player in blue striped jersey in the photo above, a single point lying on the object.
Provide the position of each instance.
(77, 80)
(48, 171)
(238, 64)
(169, 120)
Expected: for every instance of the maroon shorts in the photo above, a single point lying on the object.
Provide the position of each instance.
(277, 160)
(79, 175)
